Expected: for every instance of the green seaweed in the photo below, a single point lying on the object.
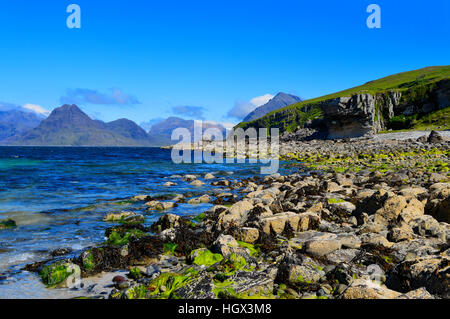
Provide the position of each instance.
(205, 257)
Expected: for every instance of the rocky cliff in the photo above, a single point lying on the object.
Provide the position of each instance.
(361, 114)
(378, 105)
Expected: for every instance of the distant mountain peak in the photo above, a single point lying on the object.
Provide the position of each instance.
(278, 101)
(68, 125)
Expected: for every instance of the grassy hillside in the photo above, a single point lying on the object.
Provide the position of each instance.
(437, 120)
(415, 83)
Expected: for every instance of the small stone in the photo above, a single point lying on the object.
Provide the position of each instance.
(197, 183)
(189, 178)
(170, 184)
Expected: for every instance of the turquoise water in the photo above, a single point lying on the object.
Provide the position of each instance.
(58, 197)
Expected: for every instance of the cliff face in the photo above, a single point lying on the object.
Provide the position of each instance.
(355, 115)
(361, 114)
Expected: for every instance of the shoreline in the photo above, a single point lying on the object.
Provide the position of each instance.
(312, 234)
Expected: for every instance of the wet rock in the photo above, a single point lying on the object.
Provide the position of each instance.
(169, 184)
(189, 178)
(7, 224)
(200, 200)
(156, 205)
(142, 198)
(61, 274)
(341, 207)
(209, 176)
(124, 217)
(167, 221)
(412, 249)
(60, 252)
(197, 183)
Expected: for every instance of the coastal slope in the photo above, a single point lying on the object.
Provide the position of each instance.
(395, 102)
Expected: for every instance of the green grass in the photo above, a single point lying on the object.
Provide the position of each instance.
(416, 84)
(437, 120)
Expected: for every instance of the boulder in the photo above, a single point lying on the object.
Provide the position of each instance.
(189, 178)
(170, 184)
(248, 234)
(125, 217)
(420, 293)
(299, 271)
(332, 187)
(278, 222)
(413, 210)
(156, 205)
(200, 287)
(142, 198)
(365, 289)
(438, 204)
(430, 272)
(167, 221)
(322, 247)
(236, 214)
(308, 221)
(197, 183)
(390, 210)
(200, 200)
(435, 137)
(428, 226)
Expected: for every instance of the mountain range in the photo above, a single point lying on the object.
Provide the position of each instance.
(16, 122)
(68, 125)
(280, 100)
(161, 133)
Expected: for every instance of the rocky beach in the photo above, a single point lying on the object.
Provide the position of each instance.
(363, 218)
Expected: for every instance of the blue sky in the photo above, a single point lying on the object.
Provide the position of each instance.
(146, 60)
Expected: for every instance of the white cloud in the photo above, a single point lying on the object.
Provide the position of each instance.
(227, 125)
(241, 109)
(261, 100)
(36, 109)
